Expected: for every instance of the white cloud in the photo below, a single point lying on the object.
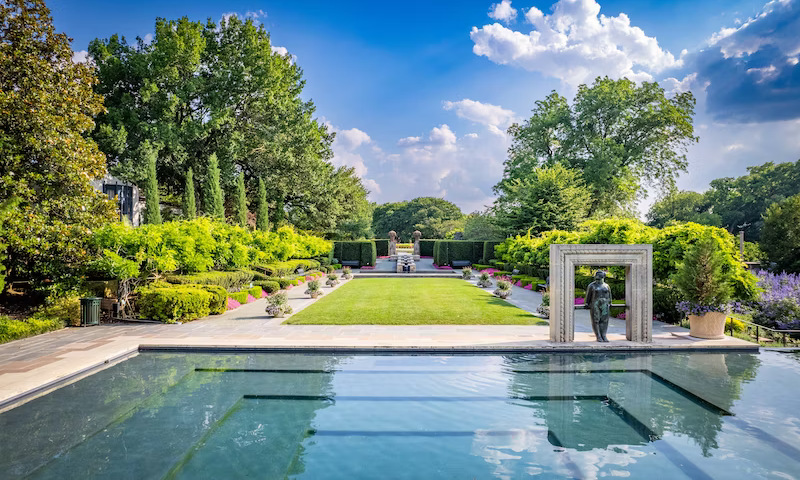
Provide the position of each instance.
(575, 44)
(81, 56)
(751, 35)
(257, 14)
(347, 153)
(279, 50)
(496, 118)
(148, 39)
(503, 12)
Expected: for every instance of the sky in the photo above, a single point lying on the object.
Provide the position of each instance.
(421, 93)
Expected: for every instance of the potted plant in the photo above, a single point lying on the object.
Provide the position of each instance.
(503, 289)
(466, 273)
(278, 305)
(704, 280)
(346, 273)
(485, 280)
(313, 289)
(333, 279)
(544, 308)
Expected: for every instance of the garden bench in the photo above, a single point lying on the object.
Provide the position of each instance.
(461, 263)
(351, 263)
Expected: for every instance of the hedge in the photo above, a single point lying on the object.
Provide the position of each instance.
(488, 250)
(381, 247)
(361, 251)
(256, 291)
(230, 281)
(269, 286)
(16, 329)
(281, 269)
(171, 303)
(426, 247)
(445, 252)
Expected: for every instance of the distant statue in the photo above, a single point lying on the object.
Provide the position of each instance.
(417, 235)
(598, 301)
(392, 243)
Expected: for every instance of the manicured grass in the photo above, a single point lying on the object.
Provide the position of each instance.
(411, 301)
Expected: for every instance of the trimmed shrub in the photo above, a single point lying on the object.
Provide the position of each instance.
(240, 297)
(361, 251)
(479, 266)
(445, 252)
(282, 269)
(284, 282)
(488, 250)
(230, 281)
(426, 248)
(381, 246)
(172, 303)
(256, 291)
(269, 286)
(337, 266)
(16, 329)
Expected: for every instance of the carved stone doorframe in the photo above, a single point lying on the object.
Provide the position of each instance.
(638, 263)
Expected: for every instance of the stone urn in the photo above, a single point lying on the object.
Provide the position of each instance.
(710, 325)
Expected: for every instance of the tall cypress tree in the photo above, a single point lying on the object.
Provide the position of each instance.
(240, 202)
(262, 213)
(152, 207)
(189, 203)
(213, 202)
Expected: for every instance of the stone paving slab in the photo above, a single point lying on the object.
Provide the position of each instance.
(28, 364)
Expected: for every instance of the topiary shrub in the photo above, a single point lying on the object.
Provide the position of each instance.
(219, 301)
(361, 251)
(269, 286)
(256, 291)
(488, 250)
(381, 247)
(240, 297)
(231, 281)
(426, 247)
(173, 303)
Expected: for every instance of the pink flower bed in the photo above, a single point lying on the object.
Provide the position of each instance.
(519, 283)
(579, 301)
(250, 298)
(621, 316)
(442, 267)
(233, 304)
(309, 278)
(368, 267)
(528, 286)
(383, 256)
(490, 271)
(424, 256)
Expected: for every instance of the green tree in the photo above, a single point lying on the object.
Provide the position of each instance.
(46, 161)
(5, 207)
(550, 198)
(682, 206)
(742, 202)
(152, 208)
(616, 134)
(432, 216)
(482, 226)
(240, 202)
(189, 199)
(780, 238)
(201, 88)
(213, 201)
(262, 211)
(703, 277)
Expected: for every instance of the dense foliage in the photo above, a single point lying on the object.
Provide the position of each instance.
(682, 206)
(779, 304)
(203, 244)
(780, 239)
(547, 198)
(433, 217)
(202, 88)
(616, 134)
(482, 226)
(46, 162)
(669, 247)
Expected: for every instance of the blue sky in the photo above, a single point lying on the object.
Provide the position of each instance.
(420, 93)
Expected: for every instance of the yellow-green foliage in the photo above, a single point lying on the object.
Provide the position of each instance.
(16, 329)
(669, 247)
(171, 303)
(204, 244)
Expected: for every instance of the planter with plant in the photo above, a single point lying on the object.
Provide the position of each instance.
(503, 289)
(485, 280)
(466, 273)
(347, 273)
(313, 289)
(278, 305)
(333, 280)
(704, 281)
(544, 308)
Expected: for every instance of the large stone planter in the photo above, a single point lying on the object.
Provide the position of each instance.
(710, 325)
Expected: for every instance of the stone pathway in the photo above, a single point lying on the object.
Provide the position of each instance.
(33, 363)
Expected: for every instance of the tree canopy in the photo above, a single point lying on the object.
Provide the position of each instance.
(46, 162)
(618, 135)
(682, 206)
(781, 234)
(204, 88)
(433, 217)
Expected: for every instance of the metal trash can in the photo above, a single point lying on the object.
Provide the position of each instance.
(90, 311)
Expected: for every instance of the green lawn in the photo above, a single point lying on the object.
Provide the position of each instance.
(411, 301)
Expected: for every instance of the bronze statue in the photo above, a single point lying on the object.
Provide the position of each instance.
(598, 301)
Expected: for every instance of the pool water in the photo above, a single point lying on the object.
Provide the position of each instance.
(189, 416)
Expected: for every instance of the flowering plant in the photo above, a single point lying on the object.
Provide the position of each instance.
(333, 279)
(779, 304)
(484, 280)
(466, 273)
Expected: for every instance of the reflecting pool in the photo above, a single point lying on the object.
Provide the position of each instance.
(188, 416)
